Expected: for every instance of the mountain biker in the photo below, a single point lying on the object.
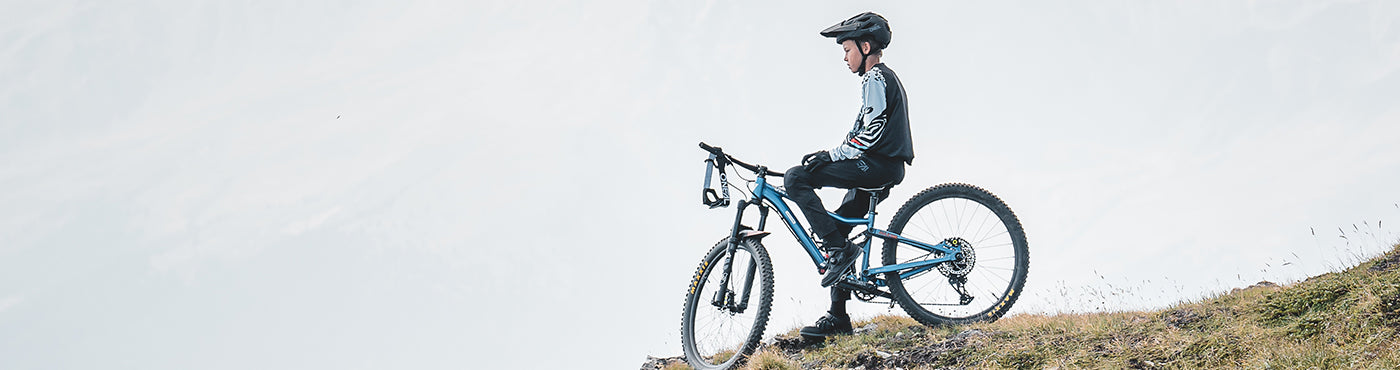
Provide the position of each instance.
(873, 154)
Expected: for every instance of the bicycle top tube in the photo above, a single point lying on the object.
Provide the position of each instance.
(852, 221)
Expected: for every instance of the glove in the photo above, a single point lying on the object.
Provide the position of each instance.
(812, 162)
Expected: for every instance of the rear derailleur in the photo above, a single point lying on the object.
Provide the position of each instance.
(959, 283)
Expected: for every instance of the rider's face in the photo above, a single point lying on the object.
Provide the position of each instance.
(852, 55)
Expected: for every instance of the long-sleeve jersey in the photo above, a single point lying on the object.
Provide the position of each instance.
(882, 127)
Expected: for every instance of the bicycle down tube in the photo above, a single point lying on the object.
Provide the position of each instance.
(776, 198)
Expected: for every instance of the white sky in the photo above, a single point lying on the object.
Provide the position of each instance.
(515, 182)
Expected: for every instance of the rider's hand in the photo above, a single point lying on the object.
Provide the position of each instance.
(812, 162)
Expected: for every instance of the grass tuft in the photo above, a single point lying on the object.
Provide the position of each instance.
(771, 360)
(677, 366)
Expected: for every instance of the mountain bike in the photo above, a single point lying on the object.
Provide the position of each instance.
(952, 254)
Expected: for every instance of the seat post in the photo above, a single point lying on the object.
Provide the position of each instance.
(874, 199)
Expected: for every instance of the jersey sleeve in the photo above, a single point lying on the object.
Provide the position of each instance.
(870, 123)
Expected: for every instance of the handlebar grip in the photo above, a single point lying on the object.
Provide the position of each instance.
(712, 149)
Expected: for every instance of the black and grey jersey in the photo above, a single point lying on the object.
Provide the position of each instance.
(882, 127)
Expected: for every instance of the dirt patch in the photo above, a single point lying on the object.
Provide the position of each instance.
(1265, 284)
(1386, 263)
(941, 353)
(1136, 363)
(790, 345)
(1182, 318)
(870, 360)
(1262, 284)
(658, 363)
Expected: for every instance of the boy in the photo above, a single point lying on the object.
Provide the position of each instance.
(873, 155)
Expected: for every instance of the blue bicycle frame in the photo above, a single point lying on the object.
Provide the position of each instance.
(774, 197)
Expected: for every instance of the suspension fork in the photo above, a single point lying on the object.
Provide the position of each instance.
(753, 265)
(724, 296)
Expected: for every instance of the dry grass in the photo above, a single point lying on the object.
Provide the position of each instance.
(769, 359)
(1346, 319)
(677, 366)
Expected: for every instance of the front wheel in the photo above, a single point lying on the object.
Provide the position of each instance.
(723, 319)
(983, 281)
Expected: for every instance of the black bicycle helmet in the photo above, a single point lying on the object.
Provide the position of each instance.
(864, 26)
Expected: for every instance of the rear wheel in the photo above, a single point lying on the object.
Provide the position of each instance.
(984, 281)
(720, 331)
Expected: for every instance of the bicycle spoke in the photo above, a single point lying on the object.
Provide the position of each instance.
(1004, 281)
(958, 211)
(1003, 232)
(995, 259)
(923, 226)
(985, 216)
(983, 247)
(963, 222)
(951, 228)
(921, 288)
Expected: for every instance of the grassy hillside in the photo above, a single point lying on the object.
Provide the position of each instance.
(1347, 319)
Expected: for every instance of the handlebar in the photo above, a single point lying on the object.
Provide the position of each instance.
(719, 153)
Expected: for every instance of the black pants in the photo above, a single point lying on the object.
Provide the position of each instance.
(865, 172)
